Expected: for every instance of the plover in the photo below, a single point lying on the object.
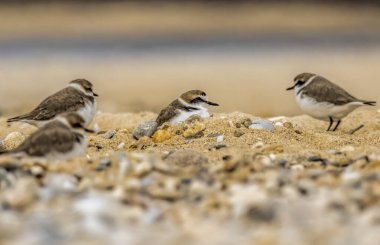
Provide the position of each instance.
(324, 100)
(63, 138)
(77, 97)
(193, 102)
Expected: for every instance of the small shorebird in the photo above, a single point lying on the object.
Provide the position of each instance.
(62, 138)
(193, 102)
(324, 100)
(77, 97)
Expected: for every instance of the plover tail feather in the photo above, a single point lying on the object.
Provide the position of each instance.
(18, 118)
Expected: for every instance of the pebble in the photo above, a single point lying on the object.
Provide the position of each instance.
(161, 135)
(262, 125)
(120, 146)
(145, 129)
(279, 124)
(259, 144)
(246, 122)
(238, 133)
(217, 146)
(61, 182)
(220, 138)
(109, 134)
(103, 165)
(37, 171)
(297, 167)
(347, 148)
(288, 125)
(142, 168)
(12, 140)
(194, 130)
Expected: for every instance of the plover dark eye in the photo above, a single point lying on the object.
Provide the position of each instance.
(203, 94)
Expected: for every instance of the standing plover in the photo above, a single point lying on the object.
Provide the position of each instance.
(193, 102)
(77, 97)
(324, 100)
(62, 138)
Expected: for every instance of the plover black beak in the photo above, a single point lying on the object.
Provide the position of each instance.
(291, 88)
(95, 94)
(211, 103)
(89, 130)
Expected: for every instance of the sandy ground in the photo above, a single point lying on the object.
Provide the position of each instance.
(295, 185)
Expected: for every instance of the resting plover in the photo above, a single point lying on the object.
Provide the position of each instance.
(193, 102)
(324, 100)
(63, 138)
(77, 97)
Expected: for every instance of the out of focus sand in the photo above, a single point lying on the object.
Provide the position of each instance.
(298, 183)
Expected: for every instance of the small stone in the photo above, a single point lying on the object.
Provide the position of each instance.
(37, 171)
(99, 146)
(350, 176)
(194, 130)
(61, 182)
(297, 131)
(109, 134)
(13, 140)
(145, 129)
(279, 124)
(246, 122)
(142, 168)
(288, 125)
(213, 135)
(217, 146)
(120, 146)
(238, 133)
(103, 165)
(347, 148)
(262, 125)
(185, 158)
(161, 135)
(297, 167)
(259, 144)
(261, 213)
(220, 138)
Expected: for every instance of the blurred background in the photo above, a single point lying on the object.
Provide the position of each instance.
(143, 54)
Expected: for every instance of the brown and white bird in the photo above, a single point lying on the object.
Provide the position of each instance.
(324, 100)
(193, 102)
(77, 97)
(60, 139)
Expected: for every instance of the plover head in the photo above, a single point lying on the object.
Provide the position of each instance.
(196, 98)
(83, 85)
(301, 80)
